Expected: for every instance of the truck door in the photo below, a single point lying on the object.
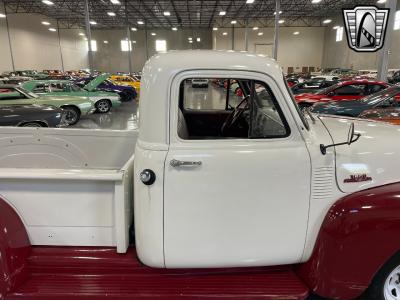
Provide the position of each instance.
(237, 175)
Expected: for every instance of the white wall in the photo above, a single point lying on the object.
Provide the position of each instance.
(338, 54)
(35, 47)
(303, 50)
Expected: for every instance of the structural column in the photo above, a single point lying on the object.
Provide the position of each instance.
(276, 36)
(89, 37)
(233, 37)
(9, 38)
(383, 55)
(59, 46)
(246, 36)
(128, 36)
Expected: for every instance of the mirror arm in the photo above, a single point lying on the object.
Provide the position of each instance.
(323, 148)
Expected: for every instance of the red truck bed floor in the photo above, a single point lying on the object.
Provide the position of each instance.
(62, 273)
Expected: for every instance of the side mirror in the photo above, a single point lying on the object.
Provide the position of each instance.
(330, 94)
(351, 138)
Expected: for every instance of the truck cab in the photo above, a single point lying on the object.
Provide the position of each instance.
(228, 187)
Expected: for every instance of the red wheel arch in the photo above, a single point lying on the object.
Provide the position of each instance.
(359, 234)
(14, 249)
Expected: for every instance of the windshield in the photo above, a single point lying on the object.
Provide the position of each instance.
(26, 92)
(327, 90)
(380, 96)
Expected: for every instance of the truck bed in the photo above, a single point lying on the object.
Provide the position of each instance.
(100, 273)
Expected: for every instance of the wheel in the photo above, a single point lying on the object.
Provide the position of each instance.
(103, 106)
(72, 115)
(33, 124)
(386, 283)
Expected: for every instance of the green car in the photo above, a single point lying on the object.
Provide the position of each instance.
(74, 106)
(102, 101)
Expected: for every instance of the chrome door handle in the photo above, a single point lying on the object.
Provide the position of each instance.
(178, 163)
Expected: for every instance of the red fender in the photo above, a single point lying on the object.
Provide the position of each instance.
(359, 234)
(14, 249)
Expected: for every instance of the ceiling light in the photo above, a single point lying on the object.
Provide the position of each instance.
(52, 29)
(327, 21)
(46, 23)
(281, 21)
(279, 12)
(167, 13)
(2, 15)
(174, 28)
(153, 33)
(222, 13)
(198, 39)
(115, 2)
(105, 42)
(81, 34)
(215, 28)
(93, 22)
(260, 33)
(224, 33)
(296, 33)
(111, 14)
(133, 42)
(134, 29)
(48, 2)
(381, 1)
(190, 42)
(336, 27)
(85, 39)
(316, 1)
(255, 28)
(249, 1)
(233, 22)
(189, 38)
(140, 22)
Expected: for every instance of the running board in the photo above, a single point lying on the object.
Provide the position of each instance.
(99, 273)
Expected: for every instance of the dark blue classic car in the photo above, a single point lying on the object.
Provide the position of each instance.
(127, 93)
(389, 97)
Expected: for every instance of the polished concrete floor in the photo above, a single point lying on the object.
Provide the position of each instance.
(125, 117)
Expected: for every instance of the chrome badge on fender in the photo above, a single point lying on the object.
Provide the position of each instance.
(357, 178)
(366, 27)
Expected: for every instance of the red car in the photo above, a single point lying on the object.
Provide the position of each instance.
(346, 90)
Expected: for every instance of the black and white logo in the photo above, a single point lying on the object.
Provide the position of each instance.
(366, 27)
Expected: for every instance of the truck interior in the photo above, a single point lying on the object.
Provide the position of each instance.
(230, 108)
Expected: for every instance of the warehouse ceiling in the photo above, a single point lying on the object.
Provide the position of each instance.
(183, 13)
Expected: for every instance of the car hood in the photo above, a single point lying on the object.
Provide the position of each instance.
(352, 107)
(371, 161)
(93, 84)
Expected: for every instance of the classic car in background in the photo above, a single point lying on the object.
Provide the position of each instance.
(102, 101)
(388, 98)
(389, 115)
(126, 92)
(343, 91)
(312, 86)
(127, 80)
(74, 107)
(199, 82)
(32, 116)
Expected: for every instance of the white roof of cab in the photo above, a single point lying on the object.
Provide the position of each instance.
(214, 59)
(162, 67)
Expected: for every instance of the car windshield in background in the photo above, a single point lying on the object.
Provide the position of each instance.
(327, 90)
(380, 96)
(24, 91)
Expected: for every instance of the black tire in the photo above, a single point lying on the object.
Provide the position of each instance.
(127, 96)
(103, 106)
(73, 114)
(33, 124)
(380, 284)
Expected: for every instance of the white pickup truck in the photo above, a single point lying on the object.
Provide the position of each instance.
(239, 197)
